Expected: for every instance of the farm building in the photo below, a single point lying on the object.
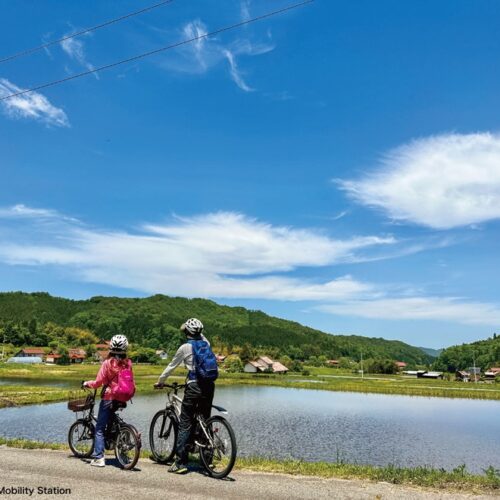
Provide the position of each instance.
(25, 359)
(31, 352)
(264, 364)
(462, 376)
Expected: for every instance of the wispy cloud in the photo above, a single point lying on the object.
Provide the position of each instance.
(245, 10)
(225, 255)
(214, 255)
(235, 72)
(443, 181)
(451, 309)
(33, 106)
(21, 211)
(74, 48)
(206, 54)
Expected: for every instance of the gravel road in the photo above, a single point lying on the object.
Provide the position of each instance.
(23, 470)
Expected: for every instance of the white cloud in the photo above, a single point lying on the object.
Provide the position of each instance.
(74, 48)
(32, 106)
(215, 255)
(205, 54)
(224, 255)
(450, 309)
(245, 10)
(235, 73)
(442, 182)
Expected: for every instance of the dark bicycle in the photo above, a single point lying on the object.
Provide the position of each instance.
(213, 438)
(120, 436)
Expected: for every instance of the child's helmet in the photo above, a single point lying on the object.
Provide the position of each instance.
(119, 343)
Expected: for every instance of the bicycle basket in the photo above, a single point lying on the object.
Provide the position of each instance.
(79, 401)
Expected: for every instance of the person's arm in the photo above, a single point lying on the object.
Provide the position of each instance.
(102, 377)
(205, 339)
(176, 361)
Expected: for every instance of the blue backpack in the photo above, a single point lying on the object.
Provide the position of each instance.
(204, 362)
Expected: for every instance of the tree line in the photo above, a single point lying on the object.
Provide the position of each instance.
(39, 319)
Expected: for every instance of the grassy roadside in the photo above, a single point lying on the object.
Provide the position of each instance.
(328, 379)
(458, 479)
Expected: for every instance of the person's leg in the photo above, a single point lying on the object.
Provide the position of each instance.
(105, 413)
(206, 399)
(189, 404)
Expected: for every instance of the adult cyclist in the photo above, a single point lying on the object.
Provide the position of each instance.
(199, 391)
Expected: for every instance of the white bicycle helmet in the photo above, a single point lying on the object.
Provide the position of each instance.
(119, 343)
(192, 326)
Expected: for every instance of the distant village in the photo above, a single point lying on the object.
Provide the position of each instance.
(261, 364)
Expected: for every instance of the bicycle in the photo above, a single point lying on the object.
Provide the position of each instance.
(120, 436)
(213, 438)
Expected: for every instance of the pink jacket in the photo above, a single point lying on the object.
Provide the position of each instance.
(108, 376)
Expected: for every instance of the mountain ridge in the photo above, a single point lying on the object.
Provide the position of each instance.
(154, 322)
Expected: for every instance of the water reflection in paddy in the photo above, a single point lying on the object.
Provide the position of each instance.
(319, 425)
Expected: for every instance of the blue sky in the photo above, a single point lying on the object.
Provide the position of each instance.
(338, 165)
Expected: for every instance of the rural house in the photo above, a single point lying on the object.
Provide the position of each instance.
(264, 364)
(31, 352)
(462, 376)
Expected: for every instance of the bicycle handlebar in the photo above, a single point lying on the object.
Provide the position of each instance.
(175, 386)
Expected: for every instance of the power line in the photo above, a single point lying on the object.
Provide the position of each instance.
(83, 32)
(156, 51)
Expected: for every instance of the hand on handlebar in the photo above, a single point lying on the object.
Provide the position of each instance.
(158, 385)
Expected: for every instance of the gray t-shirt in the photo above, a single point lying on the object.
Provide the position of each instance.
(183, 355)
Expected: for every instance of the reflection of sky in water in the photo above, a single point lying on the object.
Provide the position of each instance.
(319, 425)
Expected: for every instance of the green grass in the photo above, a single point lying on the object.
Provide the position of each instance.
(14, 395)
(458, 479)
(146, 375)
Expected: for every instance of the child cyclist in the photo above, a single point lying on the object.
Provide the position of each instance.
(111, 395)
(200, 361)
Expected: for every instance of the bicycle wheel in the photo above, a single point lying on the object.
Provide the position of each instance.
(81, 438)
(218, 454)
(163, 436)
(127, 446)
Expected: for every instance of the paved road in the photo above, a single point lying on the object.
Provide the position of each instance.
(55, 469)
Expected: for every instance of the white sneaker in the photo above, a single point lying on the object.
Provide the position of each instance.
(98, 462)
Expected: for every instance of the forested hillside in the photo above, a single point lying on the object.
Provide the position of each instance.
(485, 353)
(38, 318)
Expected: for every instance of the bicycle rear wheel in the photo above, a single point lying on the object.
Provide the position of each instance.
(81, 438)
(218, 454)
(163, 436)
(128, 446)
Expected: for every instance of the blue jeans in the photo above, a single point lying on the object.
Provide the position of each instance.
(104, 417)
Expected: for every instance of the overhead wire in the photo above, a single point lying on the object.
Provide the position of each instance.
(161, 49)
(83, 32)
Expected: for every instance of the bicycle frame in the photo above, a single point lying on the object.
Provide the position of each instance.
(89, 416)
(175, 402)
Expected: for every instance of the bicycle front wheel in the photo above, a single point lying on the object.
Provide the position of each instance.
(163, 436)
(81, 438)
(218, 453)
(127, 446)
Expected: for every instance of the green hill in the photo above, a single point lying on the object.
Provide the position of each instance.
(485, 353)
(154, 322)
(431, 352)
